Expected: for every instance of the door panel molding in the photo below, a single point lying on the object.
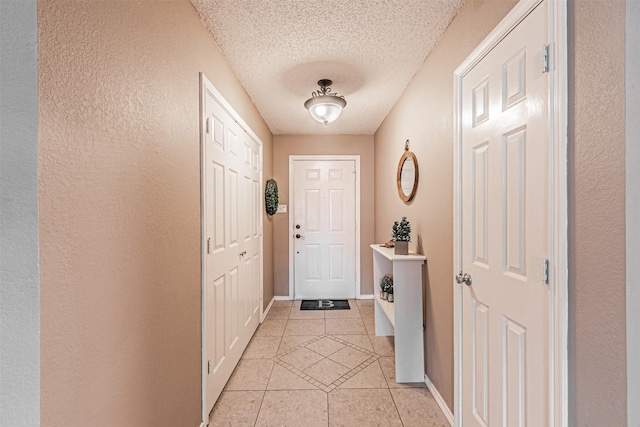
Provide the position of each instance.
(292, 160)
(245, 148)
(558, 274)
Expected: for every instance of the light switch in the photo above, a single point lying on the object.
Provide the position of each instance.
(282, 209)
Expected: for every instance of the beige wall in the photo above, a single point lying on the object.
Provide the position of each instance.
(424, 115)
(120, 209)
(286, 145)
(597, 214)
(268, 287)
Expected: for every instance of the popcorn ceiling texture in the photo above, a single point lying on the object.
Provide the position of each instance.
(370, 49)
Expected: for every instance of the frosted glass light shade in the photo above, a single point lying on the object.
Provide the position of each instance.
(325, 108)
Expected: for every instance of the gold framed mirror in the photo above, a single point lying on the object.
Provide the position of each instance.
(407, 176)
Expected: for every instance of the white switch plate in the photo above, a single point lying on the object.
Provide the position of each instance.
(282, 209)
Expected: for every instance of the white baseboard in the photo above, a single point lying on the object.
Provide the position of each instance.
(367, 296)
(439, 400)
(266, 311)
(282, 298)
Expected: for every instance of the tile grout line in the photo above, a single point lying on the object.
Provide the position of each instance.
(261, 403)
(395, 405)
(328, 412)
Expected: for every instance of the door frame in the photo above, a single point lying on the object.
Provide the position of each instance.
(558, 304)
(292, 160)
(207, 86)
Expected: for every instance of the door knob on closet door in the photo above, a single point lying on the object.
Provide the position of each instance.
(464, 278)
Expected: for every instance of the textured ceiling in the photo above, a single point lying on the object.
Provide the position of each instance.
(371, 49)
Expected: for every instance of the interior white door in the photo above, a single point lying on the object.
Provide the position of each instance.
(324, 229)
(232, 250)
(505, 207)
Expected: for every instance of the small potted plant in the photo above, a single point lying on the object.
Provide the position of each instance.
(386, 283)
(401, 234)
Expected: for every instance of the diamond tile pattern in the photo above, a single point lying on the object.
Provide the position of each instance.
(333, 369)
(328, 370)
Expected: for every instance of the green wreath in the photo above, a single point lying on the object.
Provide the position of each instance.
(271, 197)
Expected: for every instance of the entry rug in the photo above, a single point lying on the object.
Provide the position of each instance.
(325, 304)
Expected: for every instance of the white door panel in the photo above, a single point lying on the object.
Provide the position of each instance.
(505, 228)
(232, 254)
(324, 211)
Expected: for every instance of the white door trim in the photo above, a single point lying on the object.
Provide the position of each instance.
(207, 86)
(558, 407)
(292, 159)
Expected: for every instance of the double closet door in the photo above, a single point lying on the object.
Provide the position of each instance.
(232, 242)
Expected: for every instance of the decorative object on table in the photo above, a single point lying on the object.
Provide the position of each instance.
(401, 233)
(390, 294)
(386, 283)
(389, 244)
(407, 175)
(271, 197)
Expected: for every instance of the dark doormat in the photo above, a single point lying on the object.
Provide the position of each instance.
(325, 304)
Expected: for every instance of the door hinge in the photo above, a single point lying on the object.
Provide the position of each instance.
(208, 126)
(545, 271)
(209, 245)
(545, 58)
(209, 367)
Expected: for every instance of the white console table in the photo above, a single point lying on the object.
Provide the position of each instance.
(403, 317)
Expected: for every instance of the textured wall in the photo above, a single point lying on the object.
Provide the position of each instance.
(424, 115)
(632, 69)
(268, 288)
(286, 145)
(120, 209)
(597, 319)
(19, 275)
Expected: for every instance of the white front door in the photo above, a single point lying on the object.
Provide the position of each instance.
(324, 229)
(505, 208)
(232, 212)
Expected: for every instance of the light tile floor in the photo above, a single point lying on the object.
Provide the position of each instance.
(321, 368)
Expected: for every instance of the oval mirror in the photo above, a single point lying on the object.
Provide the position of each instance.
(407, 176)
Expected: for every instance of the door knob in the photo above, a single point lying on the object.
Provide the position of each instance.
(464, 278)
(299, 236)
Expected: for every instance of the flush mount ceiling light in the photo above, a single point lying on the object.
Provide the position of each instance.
(325, 106)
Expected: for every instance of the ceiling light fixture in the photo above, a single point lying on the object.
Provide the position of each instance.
(325, 106)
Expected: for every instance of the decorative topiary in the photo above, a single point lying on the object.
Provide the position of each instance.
(271, 197)
(401, 231)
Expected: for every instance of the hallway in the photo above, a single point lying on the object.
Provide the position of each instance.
(318, 368)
